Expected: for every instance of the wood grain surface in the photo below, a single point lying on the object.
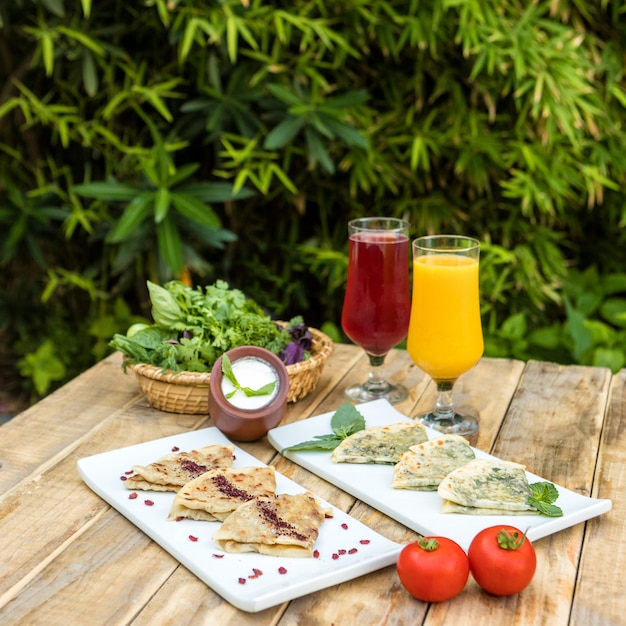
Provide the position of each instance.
(67, 557)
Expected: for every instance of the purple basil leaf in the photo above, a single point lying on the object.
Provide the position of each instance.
(293, 353)
(301, 335)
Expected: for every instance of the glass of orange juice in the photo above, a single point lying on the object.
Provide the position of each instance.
(445, 336)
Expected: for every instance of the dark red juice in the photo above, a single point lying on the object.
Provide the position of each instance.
(377, 303)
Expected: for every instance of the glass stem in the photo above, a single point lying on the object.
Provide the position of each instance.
(444, 408)
(376, 382)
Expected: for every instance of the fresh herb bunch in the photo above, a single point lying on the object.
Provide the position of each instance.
(194, 327)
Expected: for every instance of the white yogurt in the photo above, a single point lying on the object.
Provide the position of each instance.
(254, 373)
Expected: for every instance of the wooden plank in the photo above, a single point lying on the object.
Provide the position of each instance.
(552, 426)
(491, 386)
(599, 598)
(485, 391)
(84, 563)
(62, 502)
(45, 429)
(103, 575)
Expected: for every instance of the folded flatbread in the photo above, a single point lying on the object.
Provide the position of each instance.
(284, 525)
(216, 494)
(176, 469)
(485, 487)
(379, 444)
(425, 465)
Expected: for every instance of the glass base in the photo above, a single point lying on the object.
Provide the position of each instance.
(365, 393)
(463, 425)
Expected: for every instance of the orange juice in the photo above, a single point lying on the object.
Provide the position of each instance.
(445, 334)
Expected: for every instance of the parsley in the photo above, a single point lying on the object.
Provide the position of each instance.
(542, 498)
(345, 422)
(227, 370)
(194, 327)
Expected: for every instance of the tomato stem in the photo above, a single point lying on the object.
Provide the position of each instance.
(427, 543)
(510, 540)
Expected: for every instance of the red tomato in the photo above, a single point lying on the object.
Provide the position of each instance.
(502, 560)
(433, 569)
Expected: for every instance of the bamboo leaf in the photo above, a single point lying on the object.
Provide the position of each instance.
(284, 133)
(188, 39)
(317, 153)
(170, 245)
(47, 50)
(195, 210)
(161, 204)
(86, 5)
(90, 77)
(137, 211)
(83, 39)
(112, 191)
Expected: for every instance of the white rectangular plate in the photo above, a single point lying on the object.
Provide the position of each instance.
(365, 550)
(419, 510)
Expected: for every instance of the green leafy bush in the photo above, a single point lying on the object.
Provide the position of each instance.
(205, 139)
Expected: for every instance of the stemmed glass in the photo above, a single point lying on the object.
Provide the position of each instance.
(445, 333)
(377, 301)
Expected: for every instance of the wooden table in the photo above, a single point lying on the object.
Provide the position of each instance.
(66, 557)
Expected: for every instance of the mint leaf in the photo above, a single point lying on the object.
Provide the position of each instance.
(346, 421)
(261, 391)
(227, 371)
(551, 510)
(543, 496)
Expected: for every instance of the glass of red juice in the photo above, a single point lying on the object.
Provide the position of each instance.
(377, 303)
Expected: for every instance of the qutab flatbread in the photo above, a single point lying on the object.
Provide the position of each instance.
(486, 487)
(216, 494)
(172, 471)
(426, 464)
(284, 525)
(379, 444)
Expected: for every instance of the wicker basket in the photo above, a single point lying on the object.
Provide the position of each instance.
(188, 392)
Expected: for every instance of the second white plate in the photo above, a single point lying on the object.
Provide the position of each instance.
(419, 510)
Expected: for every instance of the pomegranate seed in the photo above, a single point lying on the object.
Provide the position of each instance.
(129, 472)
(175, 448)
(132, 496)
(218, 556)
(364, 541)
(123, 477)
(242, 581)
(352, 551)
(316, 554)
(282, 570)
(335, 556)
(341, 551)
(344, 526)
(192, 538)
(256, 572)
(148, 502)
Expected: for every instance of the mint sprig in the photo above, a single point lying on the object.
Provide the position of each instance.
(227, 371)
(543, 497)
(345, 422)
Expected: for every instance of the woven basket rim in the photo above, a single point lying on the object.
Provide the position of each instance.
(320, 351)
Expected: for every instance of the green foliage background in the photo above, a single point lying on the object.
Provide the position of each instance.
(234, 139)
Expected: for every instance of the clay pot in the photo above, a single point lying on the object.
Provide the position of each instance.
(248, 419)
